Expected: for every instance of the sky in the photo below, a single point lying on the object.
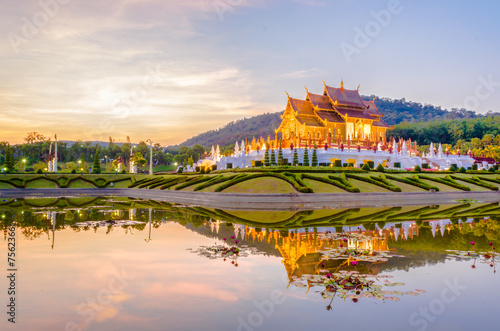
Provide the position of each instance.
(168, 70)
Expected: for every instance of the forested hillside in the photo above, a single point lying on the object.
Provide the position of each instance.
(395, 112)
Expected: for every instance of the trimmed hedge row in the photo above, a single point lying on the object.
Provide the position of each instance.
(62, 181)
(301, 186)
(335, 182)
(447, 181)
(383, 179)
(476, 181)
(195, 180)
(215, 180)
(493, 180)
(342, 179)
(238, 179)
(162, 182)
(380, 182)
(176, 181)
(413, 181)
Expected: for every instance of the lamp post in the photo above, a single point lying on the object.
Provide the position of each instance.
(150, 156)
(149, 238)
(80, 166)
(24, 162)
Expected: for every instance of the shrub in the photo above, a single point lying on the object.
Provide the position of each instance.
(462, 170)
(371, 164)
(314, 158)
(415, 181)
(417, 169)
(425, 166)
(39, 171)
(338, 164)
(73, 171)
(345, 165)
(123, 171)
(476, 181)
(179, 171)
(306, 157)
(197, 169)
(365, 167)
(453, 167)
(397, 165)
(447, 181)
(491, 169)
(202, 170)
(335, 181)
(379, 181)
(380, 168)
(474, 167)
(229, 166)
(273, 156)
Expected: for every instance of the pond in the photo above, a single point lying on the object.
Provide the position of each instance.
(128, 264)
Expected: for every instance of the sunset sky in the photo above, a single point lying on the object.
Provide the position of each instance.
(168, 70)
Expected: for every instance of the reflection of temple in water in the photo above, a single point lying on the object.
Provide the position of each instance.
(301, 250)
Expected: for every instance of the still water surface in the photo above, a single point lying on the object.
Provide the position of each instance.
(159, 274)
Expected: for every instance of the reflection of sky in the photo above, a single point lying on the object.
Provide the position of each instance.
(170, 288)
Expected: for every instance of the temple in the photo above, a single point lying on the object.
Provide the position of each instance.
(337, 116)
(345, 131)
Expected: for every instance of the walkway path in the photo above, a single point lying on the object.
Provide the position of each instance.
(249, 201)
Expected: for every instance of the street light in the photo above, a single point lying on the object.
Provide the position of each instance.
(150, 156)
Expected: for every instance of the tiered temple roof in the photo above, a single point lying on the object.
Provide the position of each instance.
(334, 106)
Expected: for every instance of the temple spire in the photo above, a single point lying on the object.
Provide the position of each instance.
(341, 84)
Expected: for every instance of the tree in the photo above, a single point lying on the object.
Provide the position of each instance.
(306, 157)
(295, 157)
(280, 155)
(9, 159)
(266, 157)
(315, 157)
(273, 157)
(96, 168)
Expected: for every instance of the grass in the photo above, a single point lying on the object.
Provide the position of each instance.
(41, 183)
(80, 184)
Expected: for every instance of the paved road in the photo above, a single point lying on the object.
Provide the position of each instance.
(247, 201)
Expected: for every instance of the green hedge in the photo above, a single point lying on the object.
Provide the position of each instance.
(238, 179)
(379, 182)
(215, 180)
(447, 181)
(476, 181)
(413, 181)
(61, 181)
(342, 184)
(194, 181)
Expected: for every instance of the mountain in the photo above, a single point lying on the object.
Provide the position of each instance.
(395, 112)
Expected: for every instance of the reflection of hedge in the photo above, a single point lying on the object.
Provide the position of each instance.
(447, 181)
(288, 179)
(382, 182)
(335, 182)
(476, 181)
(174, 182)
(415, 181)
(214, 180)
